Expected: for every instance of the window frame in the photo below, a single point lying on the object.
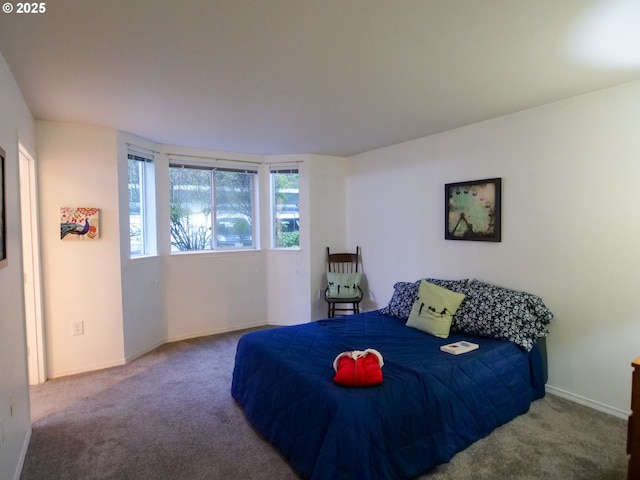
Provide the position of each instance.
(281, 169)
(231, 166)
(146, 171)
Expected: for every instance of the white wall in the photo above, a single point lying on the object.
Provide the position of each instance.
(570, 226)
(207, 293)
(132, 305)
(214, 292)
(287, 280)
(327, 213)
(77, 167)
(143, 305)
(296, 278)
(16, 124)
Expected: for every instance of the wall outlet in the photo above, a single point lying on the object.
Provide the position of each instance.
(77, 328)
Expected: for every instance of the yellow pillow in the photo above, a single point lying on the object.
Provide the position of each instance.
(434, 308)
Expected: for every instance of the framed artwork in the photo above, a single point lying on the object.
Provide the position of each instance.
(79, 223)
(472, 210)
(3, 218)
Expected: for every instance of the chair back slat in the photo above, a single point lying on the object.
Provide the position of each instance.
(343, 262)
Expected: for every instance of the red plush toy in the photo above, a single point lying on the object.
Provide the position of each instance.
(358, 368)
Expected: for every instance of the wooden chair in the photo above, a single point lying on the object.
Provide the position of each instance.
(347, 264)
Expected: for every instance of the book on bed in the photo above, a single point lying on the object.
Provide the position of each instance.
(457, 348)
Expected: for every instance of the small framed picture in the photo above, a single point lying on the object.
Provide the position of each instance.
(473, 210)
(79, 223)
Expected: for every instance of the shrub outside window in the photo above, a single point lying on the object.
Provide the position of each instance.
(285, 208)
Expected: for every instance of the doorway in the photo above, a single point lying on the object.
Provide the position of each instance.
(31, 268)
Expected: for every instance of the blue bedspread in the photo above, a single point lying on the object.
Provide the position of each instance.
(430, 406)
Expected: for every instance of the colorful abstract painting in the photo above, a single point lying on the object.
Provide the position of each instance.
(79, 223)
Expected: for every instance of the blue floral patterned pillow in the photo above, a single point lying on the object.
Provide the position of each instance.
(497, 312)
(458, 286)
(405, 294)
(403, 298)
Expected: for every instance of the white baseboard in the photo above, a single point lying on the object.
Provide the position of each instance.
(117, 363)
(23, 454)
(601, 407)
(85, 369)
(144, 351)
(215, 331)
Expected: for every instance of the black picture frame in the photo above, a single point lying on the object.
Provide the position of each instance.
(3, 223)
(473, 210)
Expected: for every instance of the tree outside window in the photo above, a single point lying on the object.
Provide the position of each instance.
(210, 208)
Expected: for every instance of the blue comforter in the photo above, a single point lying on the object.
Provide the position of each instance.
(430, 406)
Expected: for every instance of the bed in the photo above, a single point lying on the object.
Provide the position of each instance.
(430, 405)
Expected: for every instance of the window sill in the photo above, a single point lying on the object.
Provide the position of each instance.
(142, 258)
(286, 250)
(234, 251)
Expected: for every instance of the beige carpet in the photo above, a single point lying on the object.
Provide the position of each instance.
(170, 415)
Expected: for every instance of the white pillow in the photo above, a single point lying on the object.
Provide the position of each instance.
(343, 285)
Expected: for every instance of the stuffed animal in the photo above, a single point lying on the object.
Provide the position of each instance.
(358, 368)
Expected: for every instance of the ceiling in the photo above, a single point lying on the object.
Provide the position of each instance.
(334, 77)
